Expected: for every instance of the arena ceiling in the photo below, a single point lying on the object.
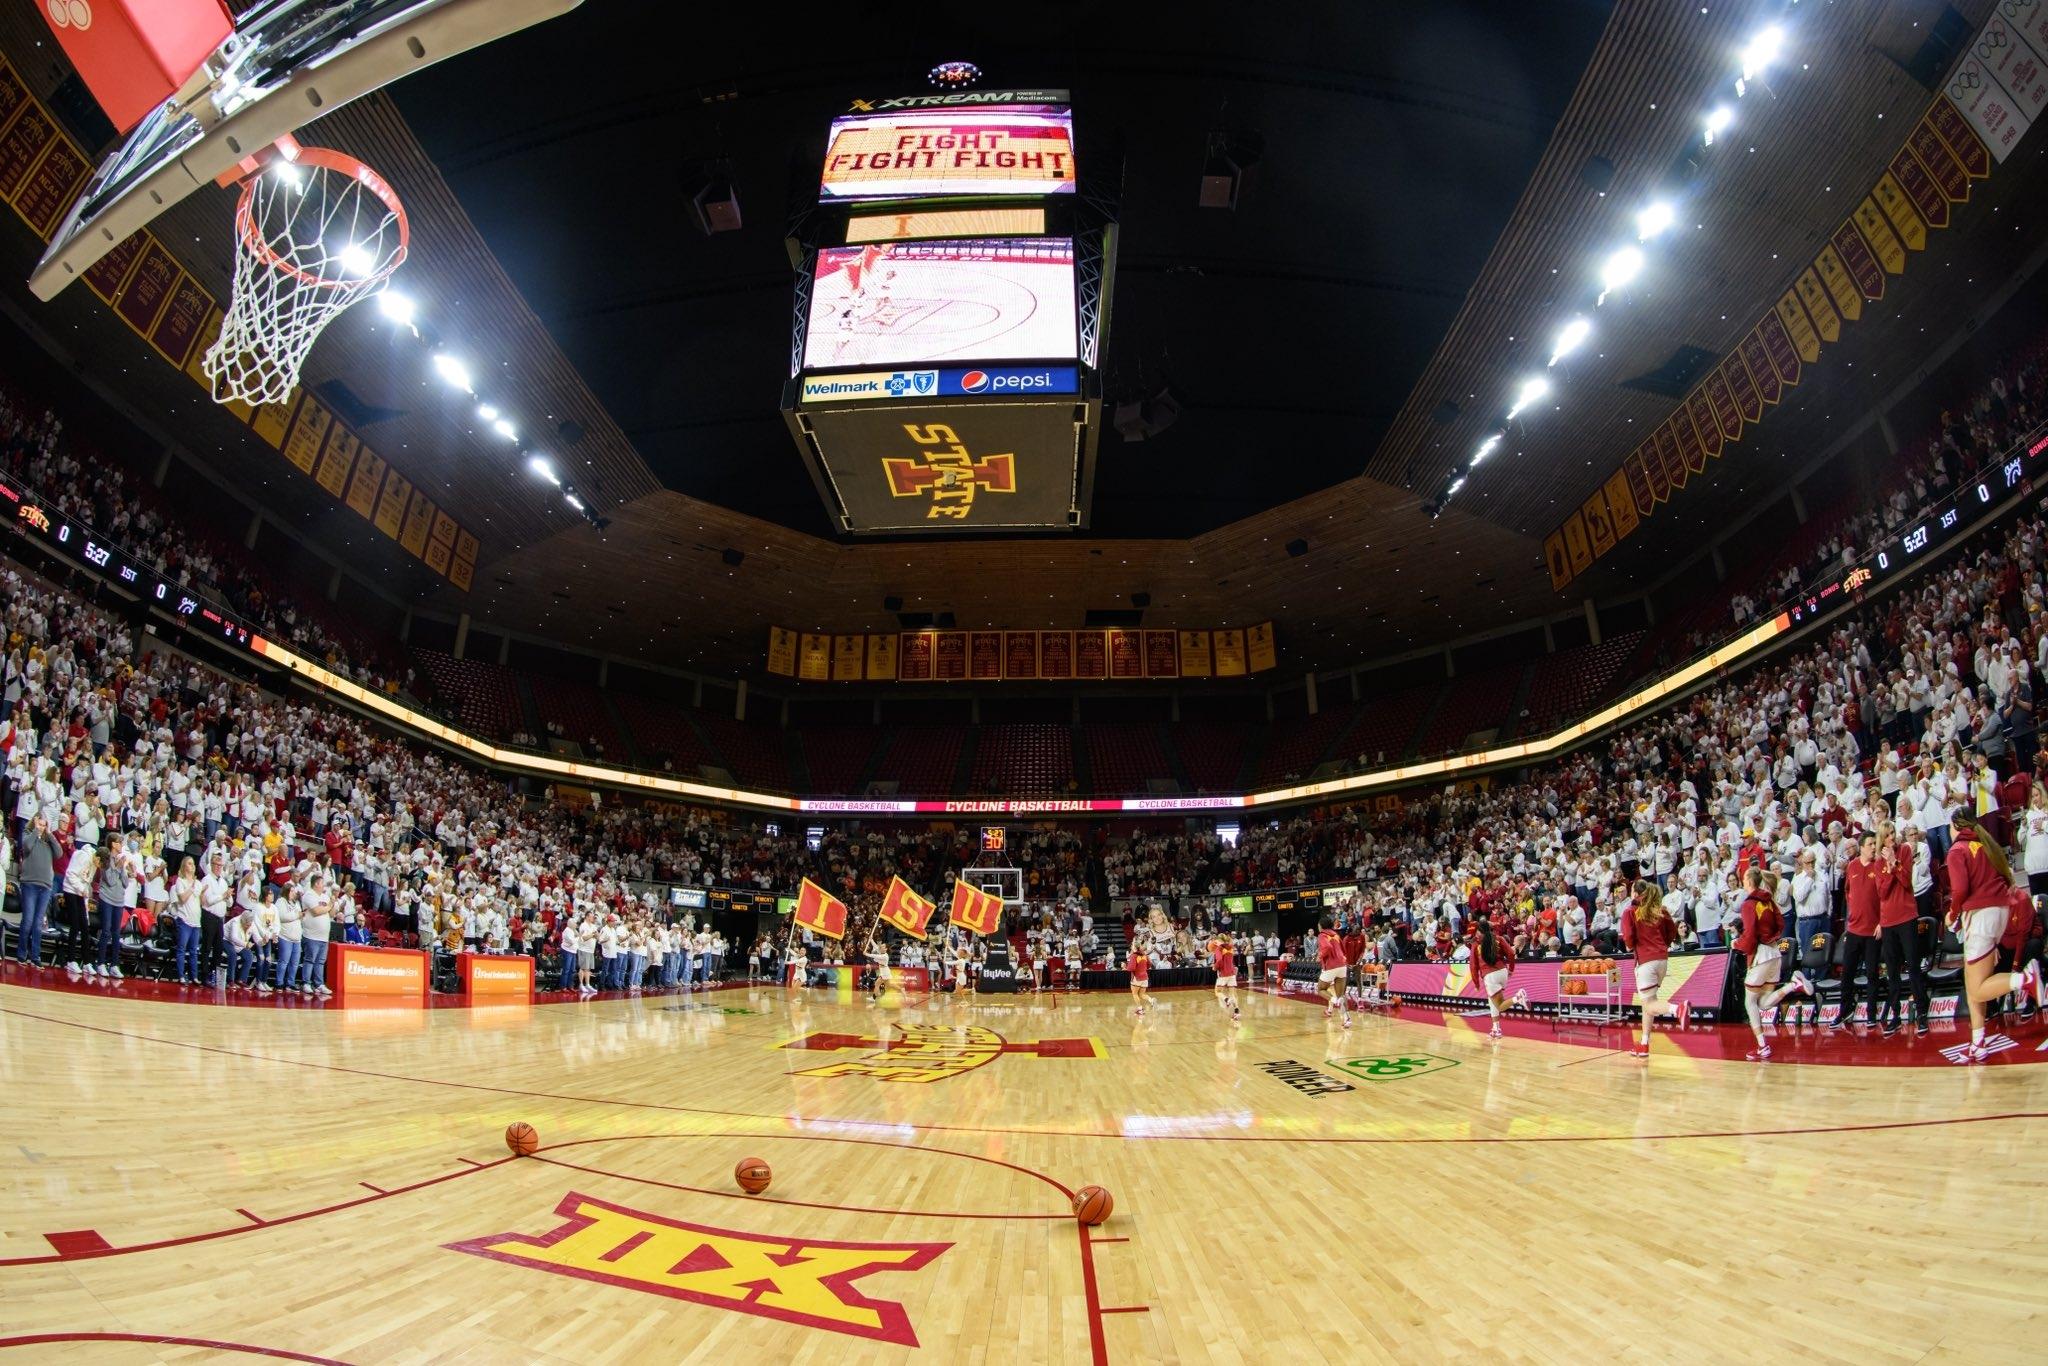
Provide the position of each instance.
(1420, 211)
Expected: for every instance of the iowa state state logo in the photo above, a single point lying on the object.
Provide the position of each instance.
(924, 1053)
(795, 1280)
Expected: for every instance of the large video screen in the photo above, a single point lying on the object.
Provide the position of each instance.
(906, 303)
(1000, 149)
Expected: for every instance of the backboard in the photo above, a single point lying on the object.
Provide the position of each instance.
(288, 62)
(1007, 883)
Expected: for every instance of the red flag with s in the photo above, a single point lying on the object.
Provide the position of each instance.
(905, 909)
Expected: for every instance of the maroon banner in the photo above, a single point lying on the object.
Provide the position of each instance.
(1689, 448)
(1863, 267)
(1162, 655)
(1778, 342)
(1762, 372)
(949, 656)
(177, 330)
(1639, 484)
(1721, 402)
(21, 145)
(12, 93)
(1055, 654)
(1962, 139)
(1653, 466)
(1126, 654)
(156, 275)
(1020, 654)
(1942, 167)
(1091, 655)
(1665, 438)
(985, 655)
(914, 656)
(1920, 188)
(1749, 401)
(104, 276)
(51, 186)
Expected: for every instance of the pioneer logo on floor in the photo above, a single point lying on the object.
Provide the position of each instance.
(1304, 1078)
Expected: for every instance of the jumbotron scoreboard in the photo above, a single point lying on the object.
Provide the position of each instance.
(953, 287)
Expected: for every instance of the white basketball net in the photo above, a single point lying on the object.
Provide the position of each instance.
(313, 235)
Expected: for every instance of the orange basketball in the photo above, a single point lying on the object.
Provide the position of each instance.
(521, 1139)
(752, 1174)
(1092, 1204)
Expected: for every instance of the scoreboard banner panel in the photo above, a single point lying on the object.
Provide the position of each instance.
(948, 467)
(902, 154)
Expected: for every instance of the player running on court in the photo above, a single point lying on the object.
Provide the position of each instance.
(1330, 957)
(1980, 888)
(1762, 923)
(1649, 932)
(1224, 957)
(1140, 968)
(1493, 958)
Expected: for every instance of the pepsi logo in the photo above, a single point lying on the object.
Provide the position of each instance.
(974, 381)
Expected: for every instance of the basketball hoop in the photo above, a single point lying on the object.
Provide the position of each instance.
(315, 231)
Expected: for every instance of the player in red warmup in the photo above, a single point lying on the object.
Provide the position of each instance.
(1493, 958)
(1762, 923)
(1330, 957)
(1649, 932)
(1860, 888)
(1223, 956)
(1979, 884)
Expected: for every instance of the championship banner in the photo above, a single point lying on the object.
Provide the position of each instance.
(782, 651)
(820, 912)
(1598, 525)
(974, 910)
(1621, 505)
(905, 909)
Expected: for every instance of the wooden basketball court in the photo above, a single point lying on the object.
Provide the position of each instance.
(327, 1184)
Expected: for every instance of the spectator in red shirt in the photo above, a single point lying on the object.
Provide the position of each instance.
(1860, 945)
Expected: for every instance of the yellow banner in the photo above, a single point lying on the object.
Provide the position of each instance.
(882, 657)
(849, 658)
(1258, 647)
(1847, 298)
(1814, 295)
(1898, 206)
(814, 658)
(782, 651)
(1798, 326)
(1229, 647)
(1884, 243)
(1194, 654)
(308, 434)
(1621, 506)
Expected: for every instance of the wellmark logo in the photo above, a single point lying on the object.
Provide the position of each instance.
(794, 1280)
(927, 1053)
(1395, 1068)
(1304, 1078)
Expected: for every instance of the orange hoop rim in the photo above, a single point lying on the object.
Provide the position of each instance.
(327, 159)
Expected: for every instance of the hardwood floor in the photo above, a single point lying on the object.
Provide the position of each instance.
(334, 1184)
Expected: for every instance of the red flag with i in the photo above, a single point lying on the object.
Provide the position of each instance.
(819, 911)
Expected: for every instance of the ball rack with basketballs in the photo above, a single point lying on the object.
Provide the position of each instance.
(954, 274)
